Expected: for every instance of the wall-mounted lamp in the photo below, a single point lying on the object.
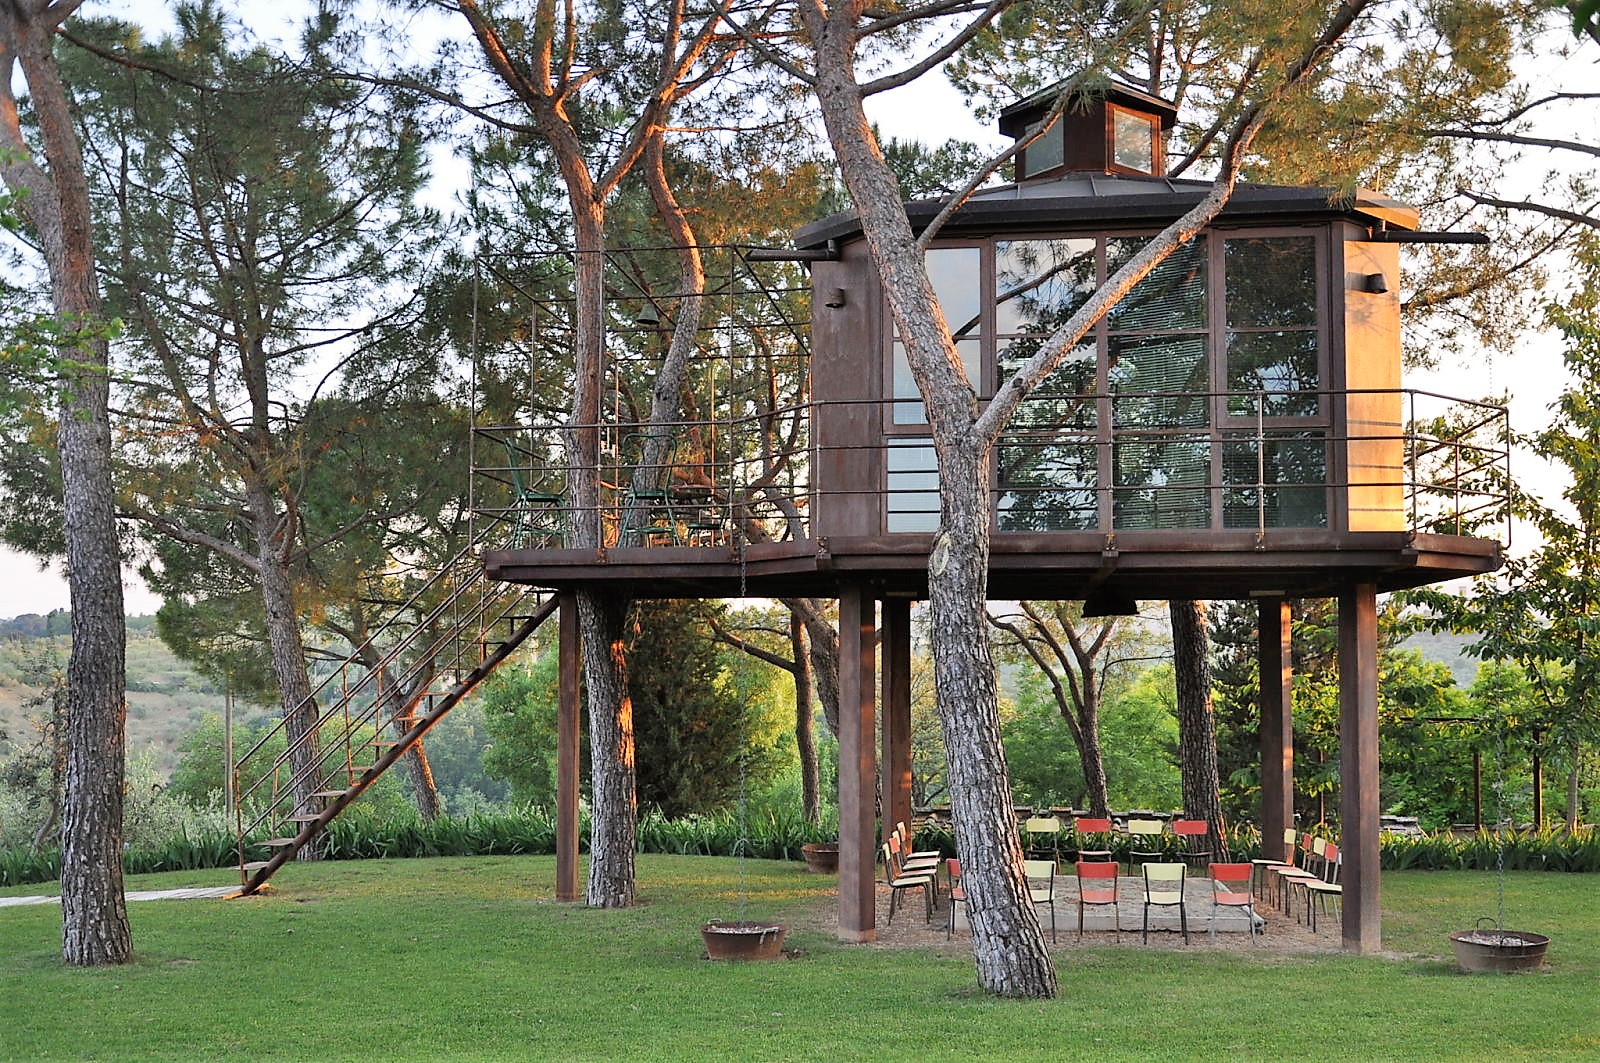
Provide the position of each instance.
(834, 299)
(647, 316)
(1375, 283)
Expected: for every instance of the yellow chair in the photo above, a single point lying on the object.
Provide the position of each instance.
(1042, 887)
(1163, 888)
(1145, 842)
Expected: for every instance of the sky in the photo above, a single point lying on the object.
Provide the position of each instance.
(930, 110)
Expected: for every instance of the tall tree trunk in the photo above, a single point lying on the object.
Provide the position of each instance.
(804, 737)
(613, 795)
(824, 640)
(295, 700)
(94, 914)
(1009, 948)
(1574, 779)
(1197, 736)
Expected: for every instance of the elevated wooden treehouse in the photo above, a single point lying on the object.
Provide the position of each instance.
(1236, 427)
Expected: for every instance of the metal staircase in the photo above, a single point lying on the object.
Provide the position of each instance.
(376, 705)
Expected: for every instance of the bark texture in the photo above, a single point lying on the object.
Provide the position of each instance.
(1197, 733)
(613, 796)
(272, 531)
(95, 927)
(805, 739)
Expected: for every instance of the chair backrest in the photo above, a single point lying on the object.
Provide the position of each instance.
(1190, 827)
(1041, 873)
(1098, 869)
(889, 874)
(1042, 825)
(1331, 863)
(1089, 825)
(1230, 878)
(1146, 826)
(952, 867)
(1165, 878)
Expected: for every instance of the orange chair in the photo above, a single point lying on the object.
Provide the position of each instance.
(1097, 885)
(1232, 887)
(1085, 828)
(1190, 833)
(952, 870)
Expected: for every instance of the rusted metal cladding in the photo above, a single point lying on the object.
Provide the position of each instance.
(847, 381)
(1374, 409)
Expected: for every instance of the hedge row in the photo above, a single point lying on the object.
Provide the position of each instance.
(767, 837)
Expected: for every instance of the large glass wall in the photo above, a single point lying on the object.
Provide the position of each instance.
(1196, 403)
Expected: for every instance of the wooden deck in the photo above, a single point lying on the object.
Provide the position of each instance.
(1153, 565)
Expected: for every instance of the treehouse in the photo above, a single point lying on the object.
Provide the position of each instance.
(1234, 428)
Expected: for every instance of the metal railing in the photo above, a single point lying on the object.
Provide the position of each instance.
(418, 653)
(1401, 460)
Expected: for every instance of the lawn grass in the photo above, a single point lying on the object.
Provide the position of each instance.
(470, 959)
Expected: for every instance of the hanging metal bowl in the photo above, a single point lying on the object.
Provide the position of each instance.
(1493, 949)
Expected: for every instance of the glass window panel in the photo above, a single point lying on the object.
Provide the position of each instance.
(1171, 296)
(908, 407)
(1159, 381)
(1133, 140)
(908, 400)
(1065, 399)
(1044, 153)
(955, 274)
(1047, 484)
(1271, 281)
(912, 502)
(1281, 364)
(1162, 482)
(1039, 284)
(1284, 475)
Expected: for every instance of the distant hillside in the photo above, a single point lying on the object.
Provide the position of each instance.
(1449, 650)
(166, 698)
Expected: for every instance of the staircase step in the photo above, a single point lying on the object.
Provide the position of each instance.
(278, 843)
(330, 793)
(304, 817)
(253, 865)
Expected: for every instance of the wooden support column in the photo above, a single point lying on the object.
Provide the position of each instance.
(895, 707)
(1358, 766)
(568, 713)
(857, 767)
(1277, 725)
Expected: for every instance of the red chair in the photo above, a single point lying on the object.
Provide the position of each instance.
(1192, 832)
(1231, 887)
(952, 870)
(1085, 827)
(1097, 885)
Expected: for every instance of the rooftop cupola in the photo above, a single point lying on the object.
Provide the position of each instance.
(1114, 129)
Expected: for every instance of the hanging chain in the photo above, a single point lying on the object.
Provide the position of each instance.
(1499, 841)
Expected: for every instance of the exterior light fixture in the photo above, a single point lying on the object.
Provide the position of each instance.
(835, 298)
(1375, 283)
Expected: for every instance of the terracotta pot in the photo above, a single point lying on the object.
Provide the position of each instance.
(821, 857)
(743, 941)
(1499, 950)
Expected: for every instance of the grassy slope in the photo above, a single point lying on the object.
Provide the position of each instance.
(470, 959)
